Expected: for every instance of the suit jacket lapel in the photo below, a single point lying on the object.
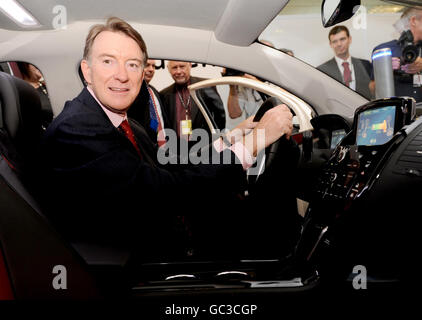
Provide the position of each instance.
(88, 100)
(172, 106)
(195, 108)
(337, 73)
(141, 136)
(145, 145)
(362, 78)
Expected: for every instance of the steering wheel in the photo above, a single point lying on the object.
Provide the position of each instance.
(270, 151)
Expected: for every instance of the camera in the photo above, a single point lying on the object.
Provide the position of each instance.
(410, 51)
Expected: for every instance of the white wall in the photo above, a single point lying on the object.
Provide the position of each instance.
(162, 77)
(309, 41)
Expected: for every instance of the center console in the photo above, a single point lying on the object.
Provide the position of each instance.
(336, 212)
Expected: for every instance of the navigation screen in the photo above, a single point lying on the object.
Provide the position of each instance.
(375, 126)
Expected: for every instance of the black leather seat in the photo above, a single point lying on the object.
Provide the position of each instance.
(31, 246)
(20, 131)
(20, 115)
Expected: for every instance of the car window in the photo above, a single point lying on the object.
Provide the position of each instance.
(33, 76)
(238, 100)
(298, 31)
(242, 97)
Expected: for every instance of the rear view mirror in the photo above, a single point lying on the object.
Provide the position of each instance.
(336, 11)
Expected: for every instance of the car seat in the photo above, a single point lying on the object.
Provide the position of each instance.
(30, 246)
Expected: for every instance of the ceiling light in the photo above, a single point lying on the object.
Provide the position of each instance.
(18, 13)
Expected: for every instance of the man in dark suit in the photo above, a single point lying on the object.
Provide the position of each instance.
(180, 107)
(153, 118)
(104, 184)
(353, 72)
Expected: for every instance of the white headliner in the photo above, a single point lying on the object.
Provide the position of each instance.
(217, 32)
(164, 12)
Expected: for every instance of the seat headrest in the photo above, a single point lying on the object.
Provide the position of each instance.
(20, 113)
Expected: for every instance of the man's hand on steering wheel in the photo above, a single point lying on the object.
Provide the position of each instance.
(241, 130)
(275, 123)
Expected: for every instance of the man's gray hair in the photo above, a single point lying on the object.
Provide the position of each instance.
(404, 22)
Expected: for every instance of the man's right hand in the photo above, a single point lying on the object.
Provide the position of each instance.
(414, 67)
(275, 123)
(395, 62)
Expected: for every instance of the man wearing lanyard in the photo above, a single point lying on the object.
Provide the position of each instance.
(182, 112)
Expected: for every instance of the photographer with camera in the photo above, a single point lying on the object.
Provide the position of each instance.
(406, 55)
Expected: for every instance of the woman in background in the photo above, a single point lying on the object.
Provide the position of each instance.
(34, 77)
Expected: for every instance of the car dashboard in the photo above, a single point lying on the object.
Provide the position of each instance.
(364, 196)
(357, 216)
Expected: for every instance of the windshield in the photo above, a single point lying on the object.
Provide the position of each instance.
(298, 30)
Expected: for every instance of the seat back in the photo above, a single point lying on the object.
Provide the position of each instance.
(20, 115)
(39, 262)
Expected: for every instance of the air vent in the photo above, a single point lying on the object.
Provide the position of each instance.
(410, 161)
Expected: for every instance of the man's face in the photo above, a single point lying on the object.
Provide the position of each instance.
(149, 70)
(340, 43)
(114, 70)
(180, 71)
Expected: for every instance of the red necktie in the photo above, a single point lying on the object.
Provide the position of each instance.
(347, 74)
(127, 130)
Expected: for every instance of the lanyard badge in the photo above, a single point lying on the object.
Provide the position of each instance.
(185, 125)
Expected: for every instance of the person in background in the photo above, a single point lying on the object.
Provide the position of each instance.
(353, 72)
(242, 101)
(153, 118)
(34, 77)
(407, 79)
(182, 112)
(288, 51)
(267, 43)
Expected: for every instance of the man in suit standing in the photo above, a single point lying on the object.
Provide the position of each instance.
(153, 118)
(104, 184)
(183, 113)
(353, 72)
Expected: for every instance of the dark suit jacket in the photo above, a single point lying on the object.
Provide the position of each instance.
(98, 188)
(362, 70)
(139, 111)
(211, 101)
